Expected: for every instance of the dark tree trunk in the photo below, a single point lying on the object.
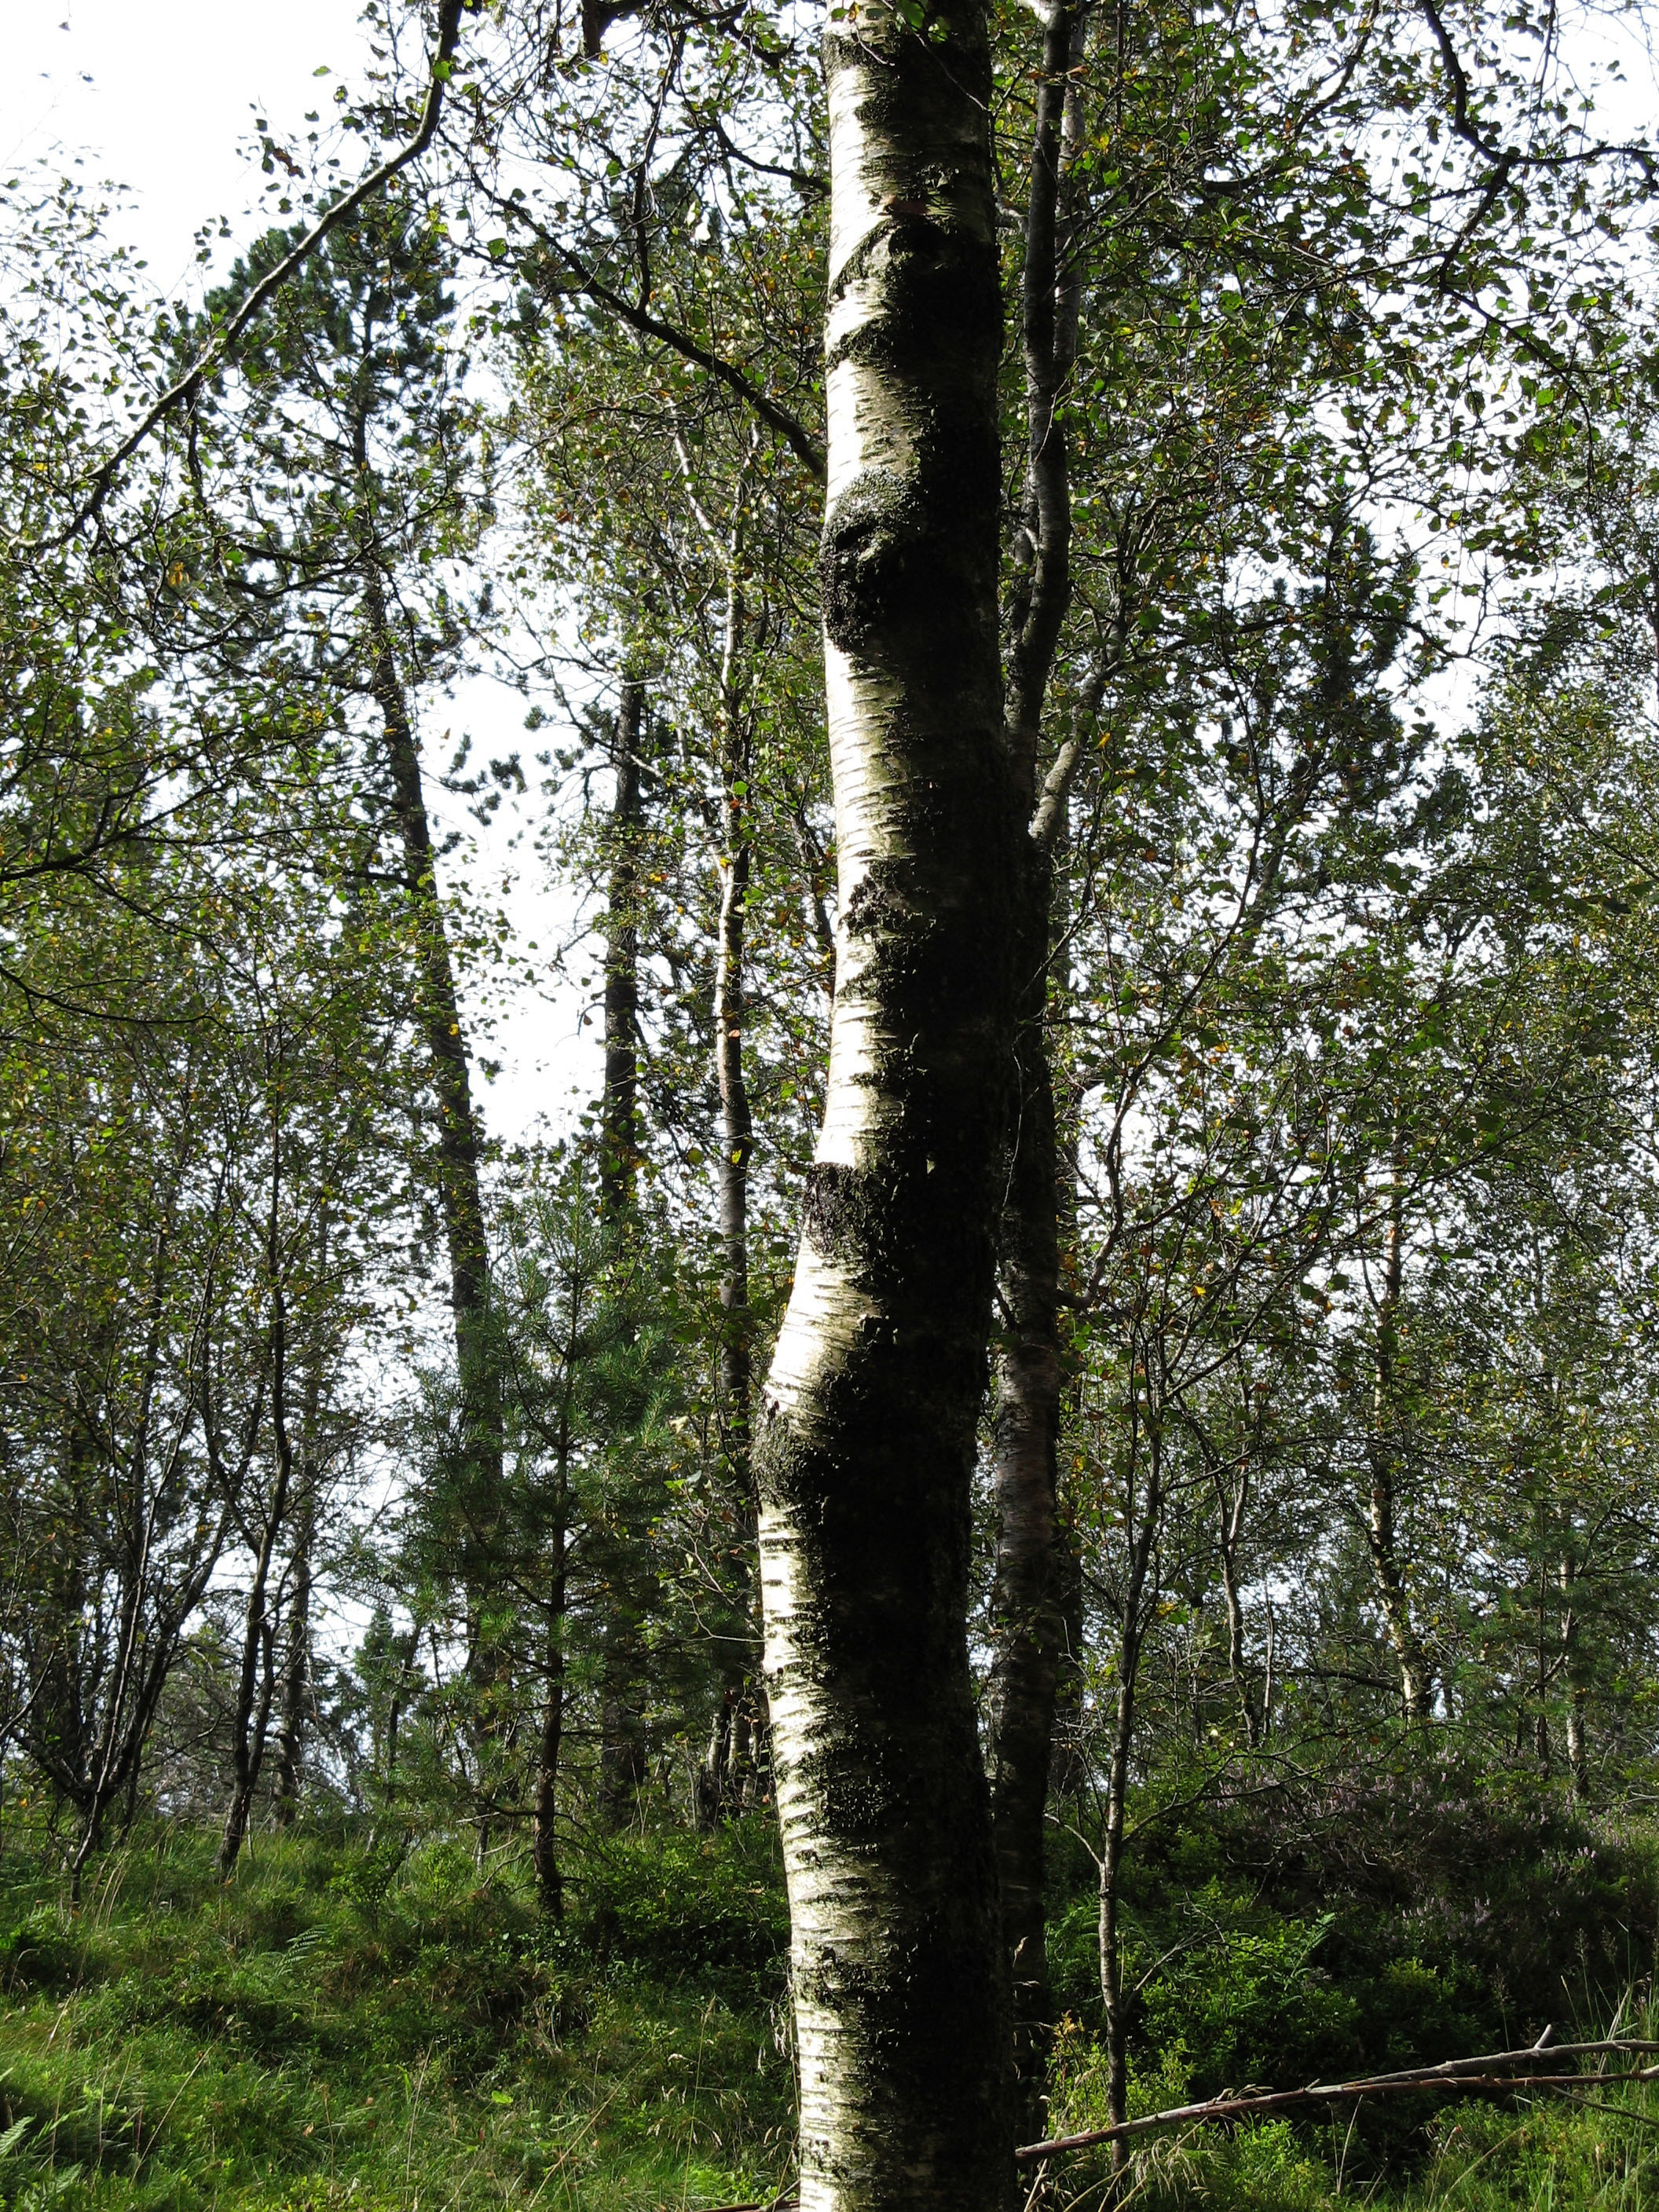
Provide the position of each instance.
(623, 1758)
(460, 1147)
(1382, 1452)
(257, 1677)
(295, 1688)
(1026, 1623)
(1026, 1626)
(460, 1144)
(736, 1128)
(723, 1788)
(621, 1695)
(296, 1663)
(867, 1433)
(1143, 1521)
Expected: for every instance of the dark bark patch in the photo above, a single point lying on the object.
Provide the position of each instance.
(843, 1212)
(873, 537)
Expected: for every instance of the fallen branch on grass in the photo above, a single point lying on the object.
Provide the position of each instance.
(1461, 2075)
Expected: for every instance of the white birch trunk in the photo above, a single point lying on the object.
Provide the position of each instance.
(867, 1425)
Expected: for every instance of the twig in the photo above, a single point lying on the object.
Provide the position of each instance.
(1462, 2074)
(217, 349)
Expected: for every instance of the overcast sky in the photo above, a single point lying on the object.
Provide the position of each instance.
(160, 98)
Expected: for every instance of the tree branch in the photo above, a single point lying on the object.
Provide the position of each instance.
(789, 427)
(1462, 2074)
(217, 349)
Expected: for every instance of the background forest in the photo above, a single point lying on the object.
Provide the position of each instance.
(388, 1814)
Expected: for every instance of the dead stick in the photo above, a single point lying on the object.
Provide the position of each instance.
(1458, 2074)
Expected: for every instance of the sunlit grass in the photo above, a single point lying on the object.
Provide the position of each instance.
(340, 2028)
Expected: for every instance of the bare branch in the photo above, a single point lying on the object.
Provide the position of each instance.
(1463, 2075)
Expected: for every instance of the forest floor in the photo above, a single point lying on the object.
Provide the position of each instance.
(396, 2030)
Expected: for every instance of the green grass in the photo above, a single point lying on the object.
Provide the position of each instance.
(340, 2028)
(390, 2032)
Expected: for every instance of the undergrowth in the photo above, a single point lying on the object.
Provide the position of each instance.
(386, 2028)
(377, 2028)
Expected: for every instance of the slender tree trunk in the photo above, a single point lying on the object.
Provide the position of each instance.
(1067, 1770)
(1026, 1625)
(1136, 1594)
(619, 1106)
(256, 1680)
(460, 1144)
(1572, 1669)
(711, 1787)
(544, 1841)
(296, 1652)
(1578, 1748)
(1110, 1944)
(1230, 1507)
(736, 1128)
(868, 1426)
(460, 1148)
(297, 1659)
(736, 1147)
(1387, 1573)
(622, 1714)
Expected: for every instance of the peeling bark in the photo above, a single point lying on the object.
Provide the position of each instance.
(867, 1425)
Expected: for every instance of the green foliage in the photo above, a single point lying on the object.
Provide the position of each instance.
(1427, 1912)
(1247, 1995)
(690, 1909)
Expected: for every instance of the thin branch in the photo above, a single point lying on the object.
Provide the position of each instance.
(217, 349)
(788, 426)
(1463, 2075)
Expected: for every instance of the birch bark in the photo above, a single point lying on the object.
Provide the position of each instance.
(865, 1432)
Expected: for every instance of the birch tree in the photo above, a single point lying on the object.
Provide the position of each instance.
(867, 1421)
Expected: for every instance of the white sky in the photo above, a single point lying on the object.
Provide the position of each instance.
(160, 100)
